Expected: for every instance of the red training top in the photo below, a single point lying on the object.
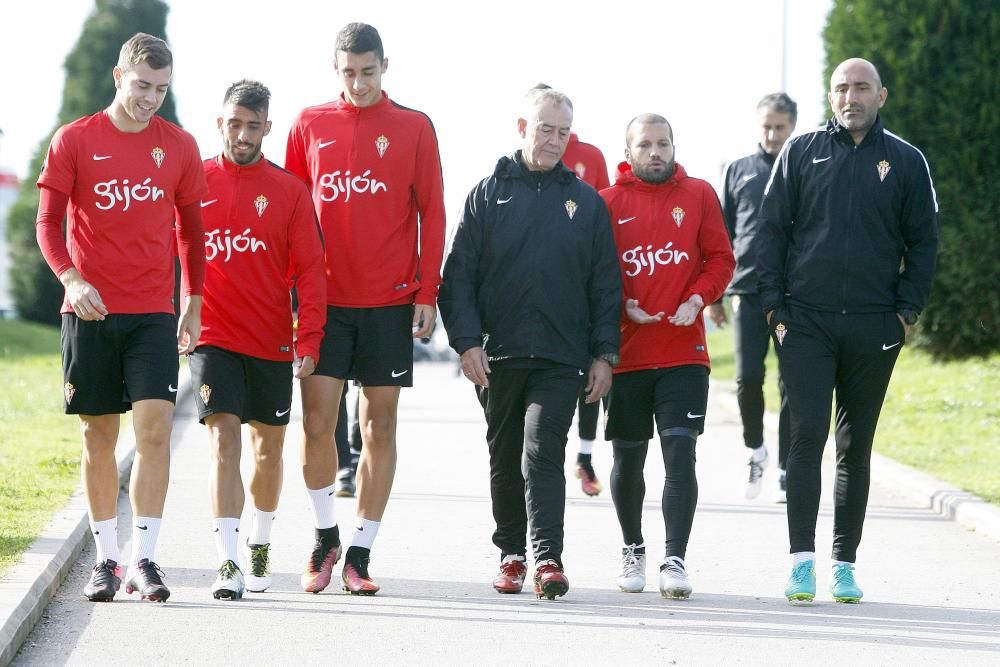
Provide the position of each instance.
(671, 244)
(372, 172)
(260, 231)
(587, 161)
(123, 188)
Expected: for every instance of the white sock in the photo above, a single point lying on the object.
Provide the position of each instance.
(321, 503)
(106, 539)
(226, 531)
(840, 562)
(586, 446)
(512, 557)
(803, 556)
(364, 533)
(758, 454)
(260, 528)
(145, 530)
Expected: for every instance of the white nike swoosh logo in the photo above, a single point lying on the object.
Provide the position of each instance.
(101, 157)
(172, 388)
(397, 374)
(281, 413)
(749, 178)
(691, 416)
(580, 371)
(208, 203)
(889, 347)
(324, 144)
(817, 160)
(622, 221)
(504, 201)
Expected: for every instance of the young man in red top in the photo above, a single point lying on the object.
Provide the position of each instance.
(125, 174)
(261, 234)
(375, 176)
(675, 257)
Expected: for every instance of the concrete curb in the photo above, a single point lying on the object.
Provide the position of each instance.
(26, 590)
(966, 508)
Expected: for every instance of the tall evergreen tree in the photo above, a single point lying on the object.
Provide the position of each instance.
(938, 59)
(88, 89)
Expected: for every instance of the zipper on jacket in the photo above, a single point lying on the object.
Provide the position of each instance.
(848, 231)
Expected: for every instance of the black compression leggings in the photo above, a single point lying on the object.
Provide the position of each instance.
(680, 489)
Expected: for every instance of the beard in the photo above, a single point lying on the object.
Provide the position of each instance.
(653, 176)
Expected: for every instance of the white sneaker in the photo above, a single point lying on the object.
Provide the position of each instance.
(755, 476)
(259, 571)
(632, 576)
(229, 584)
(780, 495)
(674, 581)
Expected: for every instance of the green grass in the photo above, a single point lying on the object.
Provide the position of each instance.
(39, 445)
(939, 417)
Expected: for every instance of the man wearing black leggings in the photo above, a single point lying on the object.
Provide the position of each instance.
(847, 247)
(675, 257)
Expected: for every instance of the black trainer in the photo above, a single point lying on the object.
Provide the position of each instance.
(146, 578)
(104, 582)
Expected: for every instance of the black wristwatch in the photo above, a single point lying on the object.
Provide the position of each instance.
(909, 316)
(611, 357)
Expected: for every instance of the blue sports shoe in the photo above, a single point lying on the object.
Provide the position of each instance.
(843, 588)
(802, 584)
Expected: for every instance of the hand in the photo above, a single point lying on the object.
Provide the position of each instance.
(687, 312)
(717, 313)
(303, 366)
(82, 296)
(476, 367)
(640, 316)
(598, 380)
(906, 327)
(424, 318)
(189, 325)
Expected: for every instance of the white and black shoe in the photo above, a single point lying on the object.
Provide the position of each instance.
(755, 473)
(229, 584)
(674, 582)
(780, 488)
(258, 576)
(632, 574)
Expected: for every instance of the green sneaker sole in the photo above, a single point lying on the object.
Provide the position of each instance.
(801, 597)
(848, 600)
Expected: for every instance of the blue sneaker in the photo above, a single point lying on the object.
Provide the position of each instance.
(802, 584)
(843, 588)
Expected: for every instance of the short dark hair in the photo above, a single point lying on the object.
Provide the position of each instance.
(360, 38)
(781, 103)
(149, 49)
(250, 94)
(647, 119)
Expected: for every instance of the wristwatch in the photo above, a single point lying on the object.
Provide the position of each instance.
(611, 357)
(909, 316)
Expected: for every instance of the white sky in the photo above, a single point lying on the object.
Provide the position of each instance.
(703, 65)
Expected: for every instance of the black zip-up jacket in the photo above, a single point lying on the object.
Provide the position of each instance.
(533, 272)
(848, 228)
(743, 192)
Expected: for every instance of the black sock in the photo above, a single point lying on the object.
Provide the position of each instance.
(357, 554)
(329, 536)
(583, 458)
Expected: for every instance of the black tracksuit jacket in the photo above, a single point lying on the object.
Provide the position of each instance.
(848, 228)
(743, 192)
(533, 271)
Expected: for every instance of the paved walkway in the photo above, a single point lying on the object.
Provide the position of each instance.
(932, 588)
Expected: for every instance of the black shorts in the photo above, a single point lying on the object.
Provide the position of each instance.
(372, 346)
(248, 387)
(677, 397)
(110, 364)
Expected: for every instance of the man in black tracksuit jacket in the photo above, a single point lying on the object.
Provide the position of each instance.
(530, 297)
(847, 251)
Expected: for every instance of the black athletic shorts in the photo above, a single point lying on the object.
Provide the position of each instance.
(372, 346)
(676, 396)
(248, 387)
(110, 364)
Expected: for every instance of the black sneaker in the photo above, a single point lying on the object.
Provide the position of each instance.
(355, 576)
(146, 579)
(345, 486)
(104, 582)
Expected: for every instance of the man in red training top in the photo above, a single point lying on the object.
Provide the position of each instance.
(125, 174)
(675, 257)
(261, 234)
(375, 176)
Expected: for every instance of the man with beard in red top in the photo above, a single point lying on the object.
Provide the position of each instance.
(675, 257)
(126, 175)
(375, 176)
(261, 233)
